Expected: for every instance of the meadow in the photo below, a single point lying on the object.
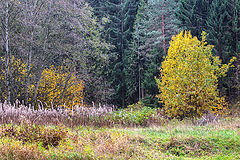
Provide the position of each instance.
(104, 133)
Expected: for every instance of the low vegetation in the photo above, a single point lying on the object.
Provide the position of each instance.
(173, 140)
(101, 116)
(103, 133)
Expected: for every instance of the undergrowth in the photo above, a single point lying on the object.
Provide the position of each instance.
(101, 116)
(175, 140)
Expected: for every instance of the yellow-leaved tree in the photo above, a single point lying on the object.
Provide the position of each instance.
(60, 87)
(189, 78)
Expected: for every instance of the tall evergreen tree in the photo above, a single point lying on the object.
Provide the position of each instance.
(236, 25)
(118, 31)
(154, 27)
(192, 15)
(136, 57)
(234, 49)
(218, 25)
(161, 22)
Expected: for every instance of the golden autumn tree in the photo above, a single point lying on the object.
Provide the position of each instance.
(189, 78)
(59, 86)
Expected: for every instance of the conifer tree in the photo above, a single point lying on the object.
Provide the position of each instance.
(118, 31)
(161, 23)
(218, 25)
(153, 28)
(192, 15)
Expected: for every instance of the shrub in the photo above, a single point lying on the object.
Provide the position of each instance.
(35, 133)
(135, 115)
(189, 78)
(60, 87)
(150, 101)
(16, 80)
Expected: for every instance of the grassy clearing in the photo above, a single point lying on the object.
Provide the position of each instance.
(182, 140)
(175, 140)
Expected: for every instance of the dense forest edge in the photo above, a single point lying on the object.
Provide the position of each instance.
(119, 79)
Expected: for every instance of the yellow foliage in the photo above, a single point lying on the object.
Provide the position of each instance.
(60, 87)
(189, 78)
(18, 73)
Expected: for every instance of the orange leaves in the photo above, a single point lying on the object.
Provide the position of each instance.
(189, 76)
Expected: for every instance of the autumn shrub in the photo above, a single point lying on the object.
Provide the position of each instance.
(60, 86)
(16, 80)
(188, 84)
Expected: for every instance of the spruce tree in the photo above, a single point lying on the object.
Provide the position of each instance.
(161, 23)
(118, 31)
(153, 28)
(135, 58)
(218, 26)
(192, 15)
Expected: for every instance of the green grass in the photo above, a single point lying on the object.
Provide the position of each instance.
(175, 140)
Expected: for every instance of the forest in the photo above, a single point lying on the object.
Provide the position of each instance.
(93, 79)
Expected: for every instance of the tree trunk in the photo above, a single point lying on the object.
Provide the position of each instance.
(122, 56)
(8, 56)
(28, 68)
(36, 88)
(31, 18)
(163, 28)
(139, 69)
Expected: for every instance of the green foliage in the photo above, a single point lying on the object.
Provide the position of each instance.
(135, 115)
(218, 25)
(189, 78)
(153, 28)
(150, 101)
(192, 15)
(118, 31)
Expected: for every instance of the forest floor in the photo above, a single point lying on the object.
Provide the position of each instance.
(174, 140)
